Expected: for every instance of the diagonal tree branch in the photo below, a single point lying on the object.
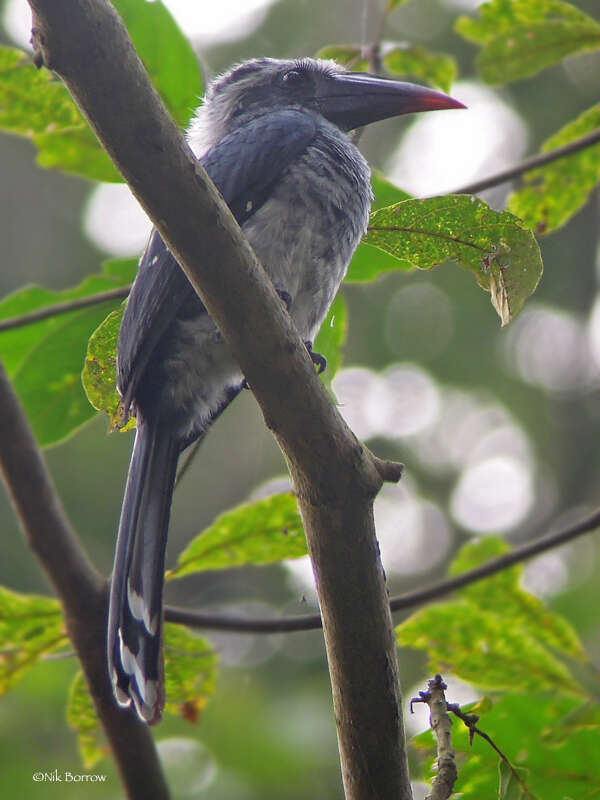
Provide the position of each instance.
(335, 478)
(236, 623)
(528, 164)
(80, 588)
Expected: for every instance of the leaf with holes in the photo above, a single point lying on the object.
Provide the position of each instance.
(503, 255)
(190, 672)
(99, 376)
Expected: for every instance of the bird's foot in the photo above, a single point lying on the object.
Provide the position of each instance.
(318, 360)
(286, 298)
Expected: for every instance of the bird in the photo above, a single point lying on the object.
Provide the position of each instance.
(272, 134)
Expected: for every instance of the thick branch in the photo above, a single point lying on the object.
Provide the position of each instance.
(335, 478)
(82, 590)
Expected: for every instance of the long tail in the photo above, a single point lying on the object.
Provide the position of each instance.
(135, 659)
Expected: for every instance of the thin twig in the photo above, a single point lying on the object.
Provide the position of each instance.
(471, 720)
(63, 308)
(189, 457)
(528, 164)
(441, 725)
(471, 188)
(241, 624)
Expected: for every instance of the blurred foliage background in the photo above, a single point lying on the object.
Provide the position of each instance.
(497, 427)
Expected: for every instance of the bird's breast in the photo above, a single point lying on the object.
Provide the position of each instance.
(306, 232)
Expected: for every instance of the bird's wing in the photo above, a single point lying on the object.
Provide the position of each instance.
(244, 166)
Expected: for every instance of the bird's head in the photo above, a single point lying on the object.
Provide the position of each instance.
(347, 99)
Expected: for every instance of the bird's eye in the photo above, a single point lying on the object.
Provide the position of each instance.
(294, 78)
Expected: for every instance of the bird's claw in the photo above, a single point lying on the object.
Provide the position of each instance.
(286, 298)
(318, 359)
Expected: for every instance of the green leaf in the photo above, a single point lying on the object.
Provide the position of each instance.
(437, 69)
(99, 376)
(332, 336)
(45, 359)
(503, 255)
(484, 648)
(553, 194)
(30, 627)
(35, 105)
(502, 594)
(385, 193)
(496, 635)
(167, 55)
(522, 37)
(190, 672)
(82, 717)
(529, 49)
(518, 725)
(348, 55)
(502, 16)
(510, 786)
(583, 717)
(263, 532)
(16, 344)
(369, 263)
(49, 380)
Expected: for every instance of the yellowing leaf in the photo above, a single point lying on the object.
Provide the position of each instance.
(30, 626)
(263, 532)
(498, 636)
(190, 672)
(554, 193)
(81, 716)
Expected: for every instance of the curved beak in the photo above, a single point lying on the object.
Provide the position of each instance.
(353, 99)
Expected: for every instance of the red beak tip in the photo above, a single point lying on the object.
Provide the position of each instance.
(446, 103)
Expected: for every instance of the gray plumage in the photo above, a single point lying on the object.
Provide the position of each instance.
(271, 134)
